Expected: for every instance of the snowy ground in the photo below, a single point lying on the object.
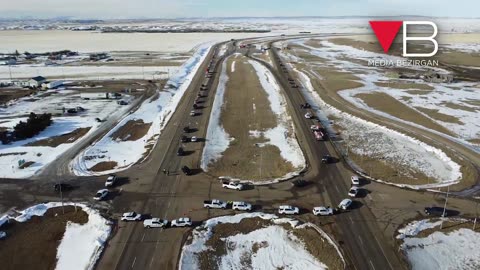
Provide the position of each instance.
(445, 95)
(81, 245)
(12, 153)
(157, 112)
(280, 249)
(379, 141)
(452, 250)
(282, 136)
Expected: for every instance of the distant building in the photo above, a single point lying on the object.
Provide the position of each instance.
(36, 81)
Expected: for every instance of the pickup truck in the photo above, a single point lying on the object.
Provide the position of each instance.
(235, 185)
(215, 204)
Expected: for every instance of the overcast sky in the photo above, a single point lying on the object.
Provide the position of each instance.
(107, 9)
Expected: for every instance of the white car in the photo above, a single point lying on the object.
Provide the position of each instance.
(101, 194)
(192, 113)
(155, 223)
(110, 180)
(355, 180)
(232, 185)
(322, 211)
(193, 139)
(308, 115)
(345, 204)
(181, 222)
(131, 216)
(242, 206)
(353, 192)
(288, 210)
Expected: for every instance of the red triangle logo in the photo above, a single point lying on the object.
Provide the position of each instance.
(386, 31)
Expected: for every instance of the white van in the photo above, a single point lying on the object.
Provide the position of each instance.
(345, 204)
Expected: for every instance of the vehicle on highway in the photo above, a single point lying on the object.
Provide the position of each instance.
(186, 170)
(184, 139)
(194, 139)
(131, 216)
(435, 211)
(217, 204)
(316, 127)
(62, 187)
(193, 113)
(242, 206)
(235, 185)
(111, 179)
(355, 180)
(101, 194)
(181, 222)
(309, 115)
(180, 151)
(345, 204)
(300, 183)
(327, 159)
(305, 106)
(155, 223)
(353, 192)
(288, 210)
(186, 129)
(323, 211)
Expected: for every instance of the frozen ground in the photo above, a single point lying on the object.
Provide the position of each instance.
(452, 250)
(81, 245)
(279, 248)
(366, 138)
(155, 111)
(459, 100)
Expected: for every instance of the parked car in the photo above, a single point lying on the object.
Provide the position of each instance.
(186, 129)
(193, 139)
(155, 223)
(305, 106)
(184, 139)
(131, 216)
(180, 152)
(193, 113)
(101, 194)
(181, 222)
(355, 180)
(309, 115)
(242, 206)
(288, 210)
(235, 185)
(435, 211)
(214, 204)
(322, 211)
(353, 192)
(62, 187)
(300, 183)
(112, 178)
(327, 159)
(186, 170)
(345, 204)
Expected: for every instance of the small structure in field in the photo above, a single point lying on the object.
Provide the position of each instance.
(36, 82)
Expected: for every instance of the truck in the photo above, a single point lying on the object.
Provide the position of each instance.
(88, 96)
(214, 204)
(52, 85)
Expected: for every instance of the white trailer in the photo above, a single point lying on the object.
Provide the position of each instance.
(52, 85)
(94, 96)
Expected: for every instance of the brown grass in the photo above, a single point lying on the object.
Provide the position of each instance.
(61, 139)
(132, 130)
(13, 154)
(433, 113)
(33, 244)
(27, 164)
(104, 166)
(458, 107)
(385, 103)
(338, 80)
(404, 85)
(244, 159)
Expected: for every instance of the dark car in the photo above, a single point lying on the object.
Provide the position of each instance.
(186, 170)
(184, 139)
(186, 129)
(62, 187)
(300, 183)
(438, 211)
(327, 159)
(180, 152)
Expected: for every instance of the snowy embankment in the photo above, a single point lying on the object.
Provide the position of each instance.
(380, 141)
(457, 249)
(81, 245)
(154, 111)
(270, 247)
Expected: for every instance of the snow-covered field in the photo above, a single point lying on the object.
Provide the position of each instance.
(282, 136)
(455, 250)
(81, 245)
(279, 248)
(11, 154)
(155, 111)
(381, 142)
(456, 99)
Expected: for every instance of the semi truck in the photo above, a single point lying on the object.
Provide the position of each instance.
(88, 96)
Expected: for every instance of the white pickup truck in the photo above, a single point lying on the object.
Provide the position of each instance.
(235, 185)
(214, 204)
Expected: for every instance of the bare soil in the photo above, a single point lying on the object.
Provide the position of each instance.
(61, 139)
(246, 107)
(33, 244)
(132, 130)
(8, 94)
(104, 166)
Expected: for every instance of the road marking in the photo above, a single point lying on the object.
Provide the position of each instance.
(143, 237)
(386, 258)
(336, 187)
(351, 220)
(134, 260)
(372, 265)
(359, 238)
